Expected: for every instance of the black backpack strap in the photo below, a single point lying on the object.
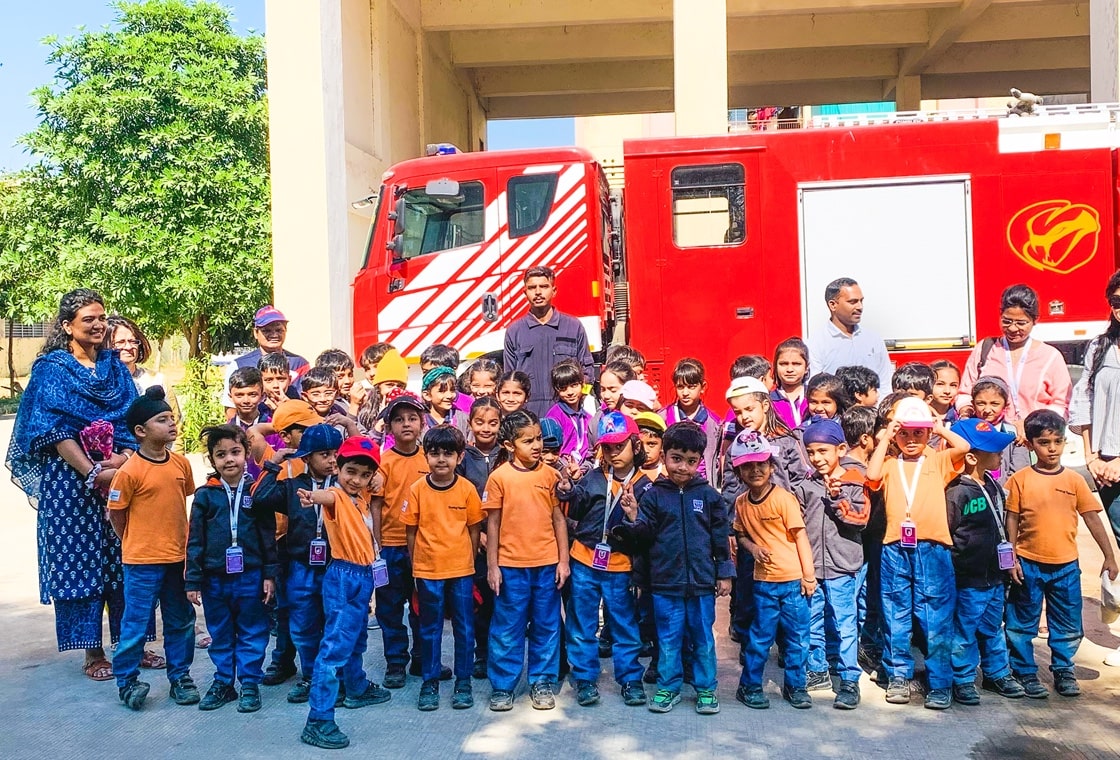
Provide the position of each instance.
(985, 349)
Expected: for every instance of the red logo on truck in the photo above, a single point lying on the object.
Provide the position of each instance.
(1055, 236)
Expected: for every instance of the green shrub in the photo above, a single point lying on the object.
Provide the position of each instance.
(200, 402)
(9, 404)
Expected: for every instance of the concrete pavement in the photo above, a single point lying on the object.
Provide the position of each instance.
(51, 710)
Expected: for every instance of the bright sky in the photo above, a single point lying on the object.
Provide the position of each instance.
(23, 68)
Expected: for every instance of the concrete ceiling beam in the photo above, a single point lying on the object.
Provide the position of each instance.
(1041, 82)
(584, 104)
(1016, 22)
(573, 78)
(804, 93)
(455, 15)
(1029, 55)
(945, 29)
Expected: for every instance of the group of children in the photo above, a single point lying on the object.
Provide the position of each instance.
(833, 519)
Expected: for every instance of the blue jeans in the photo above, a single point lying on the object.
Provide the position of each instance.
(620, 610)
(347, 589)
(978, 637)
(458, 595)
(527, 608)
(871, 631)
(1060, 586)
(391, 600)
(743, 594)
(918, 583)
(305, 612)
(144, 586)
(679, 618)
(284, 653)
(777, 605)
(834, 626)
(237, 621)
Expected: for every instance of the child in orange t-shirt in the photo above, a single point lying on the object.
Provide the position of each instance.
(1043, 503)
(443, 517)
(148, 510)
(527, 564)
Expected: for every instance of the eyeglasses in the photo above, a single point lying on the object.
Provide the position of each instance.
(1114, 302)
(126, 343)
(1022, 324)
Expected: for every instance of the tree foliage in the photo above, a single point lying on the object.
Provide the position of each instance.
(151, 175)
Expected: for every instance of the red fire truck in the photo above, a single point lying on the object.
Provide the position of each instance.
(726, 243)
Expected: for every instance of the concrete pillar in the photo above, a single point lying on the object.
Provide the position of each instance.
(700, 66)
(1104, 51)
(908, 94)
(309, 173)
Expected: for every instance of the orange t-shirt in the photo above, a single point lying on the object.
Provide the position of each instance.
(442, 515)
(928, 512)
(618, 562)
(155, 495)
(349, 525)
(1048, 505)
(772, 524)
(526, 499)
(400, 472)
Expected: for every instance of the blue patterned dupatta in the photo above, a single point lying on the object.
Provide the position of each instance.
(61, 398)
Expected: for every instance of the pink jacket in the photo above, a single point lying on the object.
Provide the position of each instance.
(1045, 382)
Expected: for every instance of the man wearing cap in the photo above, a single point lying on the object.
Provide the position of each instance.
(843, 341)
(270, 328)
(543, 337)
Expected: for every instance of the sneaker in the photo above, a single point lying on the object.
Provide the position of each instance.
(1033, 688)
(663, 701)
(606, 650)
(898, 691)
(463, 697)
(752, 697)
(587, 693)
(395, 677)
(184, 692)
(250, 699)
(373, 695)
(277, 674)
(706, 702)
(1065, 684)
(847, 698)
(939, 699)
(633, 694)
(429, 696)
(218, 695)
(324, 734)
(966, 694)
(478, 670)
(1113, 659)
(1008, 686)
(134, 693)
(501, 701)
(300, 692)
(869, 659)
(818, 680)
(797, 697)
(415, 669)
(651, 675)
(542, 697)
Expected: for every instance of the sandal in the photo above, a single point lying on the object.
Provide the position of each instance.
(202, 641)
(152, 661)
(98, 670)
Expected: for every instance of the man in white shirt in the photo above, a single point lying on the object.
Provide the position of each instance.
(843, 341)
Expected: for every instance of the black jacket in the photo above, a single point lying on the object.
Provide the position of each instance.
(972, 524)
(279, 496)
(210, 535)
(586, 503)
(476, 467)
(685, 534)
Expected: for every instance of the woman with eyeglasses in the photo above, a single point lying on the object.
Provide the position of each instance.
(126, 337)
(1035, 372)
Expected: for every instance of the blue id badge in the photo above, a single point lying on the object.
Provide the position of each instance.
(235, 560)
(380, 573)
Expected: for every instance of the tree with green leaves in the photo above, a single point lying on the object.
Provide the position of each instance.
(150, 182)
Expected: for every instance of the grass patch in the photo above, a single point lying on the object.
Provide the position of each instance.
(8, 404)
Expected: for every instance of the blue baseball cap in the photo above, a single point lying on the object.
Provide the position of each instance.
(981, 436)
(318, 438)
(616, 427)
(551, 433)
(823, 430)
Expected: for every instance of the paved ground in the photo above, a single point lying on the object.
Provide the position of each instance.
(51, 710)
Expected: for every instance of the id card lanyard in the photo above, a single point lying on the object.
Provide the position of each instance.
(910, 487)
(612, 500)
(234, 506)
(996, 507)
(316, 486)
(1014, 379)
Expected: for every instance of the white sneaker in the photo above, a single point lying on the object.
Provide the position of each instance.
(1113, 659)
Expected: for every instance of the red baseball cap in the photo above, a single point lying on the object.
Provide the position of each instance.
(266, 315)
(616, 427)
(360, 446)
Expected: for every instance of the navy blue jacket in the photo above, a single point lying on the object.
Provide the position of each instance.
(277, 495)
(685, 533)
(210, 536)
(476, 467)
(587, 502)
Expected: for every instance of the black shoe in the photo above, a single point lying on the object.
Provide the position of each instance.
(966, 694)
(250, 699)
(633, 694)
(395, 677)
(479, 670)
(462, 698)
(218, 695)
(898, 691)
(300, 692)
(869, 659)
(415, 669)
(324, 734)
(1008, 686)
(606, 650)
(651, 675)
(939, 699)
(818, 680)
(1065, 684)
(501, 701)
(134, 693)
(847, 698)
(797, 697)
(373, 695)
(278, 673)
(587, 693)
(429, 696)
(1033, 688)
(752, 698)
(541, 696)
(184, 692)
(646, 650)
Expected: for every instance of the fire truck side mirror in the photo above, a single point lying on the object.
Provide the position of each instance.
(396, 216)
(396, 248)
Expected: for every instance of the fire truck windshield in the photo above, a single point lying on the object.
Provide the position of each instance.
(434, 223)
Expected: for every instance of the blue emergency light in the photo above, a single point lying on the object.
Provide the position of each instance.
(440, 149)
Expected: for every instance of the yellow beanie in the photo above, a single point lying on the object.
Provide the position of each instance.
(391, 368)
